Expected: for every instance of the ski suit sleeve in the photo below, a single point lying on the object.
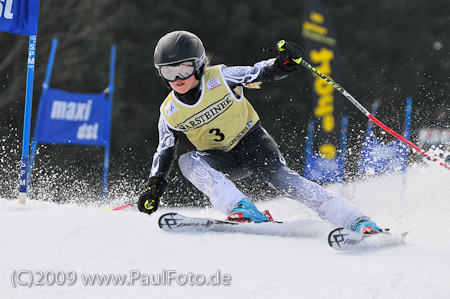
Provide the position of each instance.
(166, 151)
(263, 71)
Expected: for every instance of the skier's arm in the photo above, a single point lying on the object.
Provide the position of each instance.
(161, 166)
(166, 151)
(267, 70)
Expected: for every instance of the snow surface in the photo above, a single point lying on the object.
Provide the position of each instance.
(42, 236)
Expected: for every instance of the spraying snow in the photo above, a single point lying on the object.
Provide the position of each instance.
(79, 242)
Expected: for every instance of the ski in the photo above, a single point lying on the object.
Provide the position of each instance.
(345, 240)
(340, 238)
(174, 222)
(177, 222)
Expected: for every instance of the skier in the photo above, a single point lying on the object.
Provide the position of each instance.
(208, 105)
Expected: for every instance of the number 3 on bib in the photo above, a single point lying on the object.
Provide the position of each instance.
(216, 132)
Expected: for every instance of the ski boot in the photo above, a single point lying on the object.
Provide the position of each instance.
(246, 211)
(365, 226)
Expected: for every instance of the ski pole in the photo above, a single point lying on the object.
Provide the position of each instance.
(370, 116)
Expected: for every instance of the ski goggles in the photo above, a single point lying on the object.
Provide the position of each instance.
(180, 71)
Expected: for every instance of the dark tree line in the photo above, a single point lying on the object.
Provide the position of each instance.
(389, 50)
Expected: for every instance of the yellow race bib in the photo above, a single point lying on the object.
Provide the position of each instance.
(219, 119)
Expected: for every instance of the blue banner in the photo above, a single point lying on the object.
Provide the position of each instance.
(72, 118)
(378, 158)
(319, 169)
(19, 16)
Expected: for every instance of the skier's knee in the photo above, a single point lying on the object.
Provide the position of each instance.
(273, 174)
(185, 162)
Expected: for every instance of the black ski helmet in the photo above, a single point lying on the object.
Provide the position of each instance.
(179, 46)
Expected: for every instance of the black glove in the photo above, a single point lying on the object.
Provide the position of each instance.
(149, 200)
(290, 55)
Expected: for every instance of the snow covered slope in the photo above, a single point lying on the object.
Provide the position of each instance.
(66, 240)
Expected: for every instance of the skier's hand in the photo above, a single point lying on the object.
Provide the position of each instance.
(149, 200)
(290, 55)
